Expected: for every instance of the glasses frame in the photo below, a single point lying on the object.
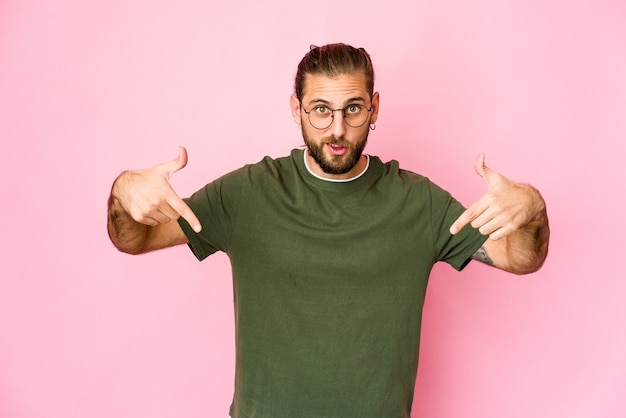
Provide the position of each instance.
(332, 115)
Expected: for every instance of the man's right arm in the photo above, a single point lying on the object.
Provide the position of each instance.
(143, 209)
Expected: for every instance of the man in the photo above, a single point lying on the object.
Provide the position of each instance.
(330, 249)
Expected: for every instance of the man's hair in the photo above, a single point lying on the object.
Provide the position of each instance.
(333, 60)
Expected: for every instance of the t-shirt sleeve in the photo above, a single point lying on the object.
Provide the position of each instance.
(215, 206)
(458, 249)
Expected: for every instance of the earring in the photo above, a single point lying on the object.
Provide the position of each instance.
(372, 126)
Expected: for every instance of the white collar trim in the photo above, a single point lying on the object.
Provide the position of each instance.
(306, 164)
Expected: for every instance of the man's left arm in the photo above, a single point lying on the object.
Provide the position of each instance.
(515, 218)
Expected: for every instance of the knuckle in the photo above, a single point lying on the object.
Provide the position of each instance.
(180, 208)
(484, 230)
(155, 202)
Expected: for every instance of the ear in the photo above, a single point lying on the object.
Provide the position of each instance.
(294, 103)
(375, 107)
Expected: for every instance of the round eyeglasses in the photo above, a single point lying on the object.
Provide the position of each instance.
(321, 117)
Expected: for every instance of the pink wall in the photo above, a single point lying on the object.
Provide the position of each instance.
(88, 89)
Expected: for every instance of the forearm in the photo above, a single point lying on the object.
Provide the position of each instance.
(126, 234)
(143, 209)
(527, 248)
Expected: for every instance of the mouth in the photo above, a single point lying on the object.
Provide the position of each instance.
(337, 149)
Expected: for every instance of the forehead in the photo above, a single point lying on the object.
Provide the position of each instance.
(318, 87)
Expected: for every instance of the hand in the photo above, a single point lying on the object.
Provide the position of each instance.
(506, 207)
(148, 197)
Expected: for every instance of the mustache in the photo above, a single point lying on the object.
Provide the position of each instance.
(341, 141)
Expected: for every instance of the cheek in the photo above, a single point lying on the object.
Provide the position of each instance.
(358, 135)
(307, 136)
(311, 133)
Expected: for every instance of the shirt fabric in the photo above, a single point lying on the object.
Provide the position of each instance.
(329, 282)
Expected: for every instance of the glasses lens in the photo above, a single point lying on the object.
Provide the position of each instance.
(321, 117)
(355, 115)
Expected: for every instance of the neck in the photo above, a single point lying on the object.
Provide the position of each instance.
(355, 172)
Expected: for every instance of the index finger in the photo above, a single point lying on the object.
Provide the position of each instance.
(185, 212)
(460, 223)
(466, 217)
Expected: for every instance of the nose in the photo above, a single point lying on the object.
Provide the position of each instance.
(338, 126)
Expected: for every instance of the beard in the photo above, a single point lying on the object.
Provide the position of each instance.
(339, 164)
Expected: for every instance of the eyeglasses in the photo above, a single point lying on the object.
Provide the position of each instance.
(321, 117)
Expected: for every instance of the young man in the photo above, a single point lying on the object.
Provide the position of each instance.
(331, 250)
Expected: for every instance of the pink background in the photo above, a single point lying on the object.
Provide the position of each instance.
(88, 89)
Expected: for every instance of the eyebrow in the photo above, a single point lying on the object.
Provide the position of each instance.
(327, 103)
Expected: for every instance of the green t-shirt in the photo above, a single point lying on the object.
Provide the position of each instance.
(329, 282)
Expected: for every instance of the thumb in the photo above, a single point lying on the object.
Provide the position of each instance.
(483, 171)
(479, 165)
(176, 164)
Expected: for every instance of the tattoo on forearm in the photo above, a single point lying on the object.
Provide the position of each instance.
(482, 256)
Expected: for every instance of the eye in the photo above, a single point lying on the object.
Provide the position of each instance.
(321, 110)
(353, 109)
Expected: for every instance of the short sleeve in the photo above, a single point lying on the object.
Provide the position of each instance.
(458, 249)
(215, 205)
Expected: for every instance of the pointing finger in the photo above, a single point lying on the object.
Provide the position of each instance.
(460, 223)
(468, 216)
(185, 212)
